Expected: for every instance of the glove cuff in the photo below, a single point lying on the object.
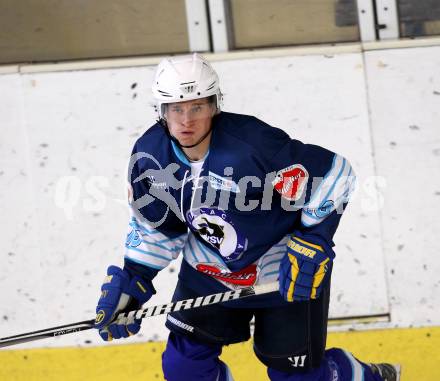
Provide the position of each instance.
(312, 239)
(140, 289)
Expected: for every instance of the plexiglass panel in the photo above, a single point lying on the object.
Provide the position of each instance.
(259, 23)
(419, 17)
(47, 30)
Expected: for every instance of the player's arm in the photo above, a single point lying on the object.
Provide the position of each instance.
(149, 247)
(330, 181)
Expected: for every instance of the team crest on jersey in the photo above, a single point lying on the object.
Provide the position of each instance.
(291, 181)
(245, 277)
(215, 227)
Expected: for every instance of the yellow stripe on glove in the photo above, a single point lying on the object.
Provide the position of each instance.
(319, 277)
(304, 268)
(294, 274)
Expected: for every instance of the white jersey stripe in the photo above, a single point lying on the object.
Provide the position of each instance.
(334, 190)
(356, 368)
(150, 247)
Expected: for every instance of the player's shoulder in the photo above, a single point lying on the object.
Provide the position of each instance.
(251, 132)
(315, 152)
(152, 140)
(323, 162)
(152, 149)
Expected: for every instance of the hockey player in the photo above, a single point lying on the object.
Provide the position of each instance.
(244, 204)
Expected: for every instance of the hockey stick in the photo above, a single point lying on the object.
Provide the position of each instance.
(160, 309)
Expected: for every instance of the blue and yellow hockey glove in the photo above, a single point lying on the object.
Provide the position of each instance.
(304, 268)
(120, 292)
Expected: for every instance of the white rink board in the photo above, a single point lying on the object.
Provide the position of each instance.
(83, 123)
(406, 119)
(78, 129)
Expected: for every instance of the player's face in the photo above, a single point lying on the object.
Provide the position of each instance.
(189, 121)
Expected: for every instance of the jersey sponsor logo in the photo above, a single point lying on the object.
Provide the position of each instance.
(290, 182)
(152, 181)
(221, 183)
(244, 277)
(324, 210)
(297, 361)
(215, 227)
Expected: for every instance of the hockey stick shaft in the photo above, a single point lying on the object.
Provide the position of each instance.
(160, 309)
(46, 333)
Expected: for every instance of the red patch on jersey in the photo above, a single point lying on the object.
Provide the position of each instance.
(245, 277)
(290, 182)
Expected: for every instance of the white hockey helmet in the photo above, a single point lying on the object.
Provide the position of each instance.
(184, 78)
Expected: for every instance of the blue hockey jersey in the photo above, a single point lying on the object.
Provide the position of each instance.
(231, 222)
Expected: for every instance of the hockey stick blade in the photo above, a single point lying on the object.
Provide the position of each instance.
(160, 309)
